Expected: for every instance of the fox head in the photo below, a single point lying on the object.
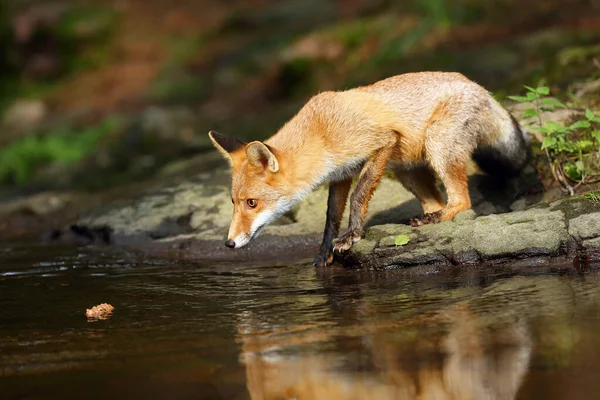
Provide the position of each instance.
(258, 191)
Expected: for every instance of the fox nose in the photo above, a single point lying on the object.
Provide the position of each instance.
(230, 243)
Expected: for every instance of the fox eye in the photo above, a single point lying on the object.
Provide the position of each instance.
(232, 202)
(252, 203)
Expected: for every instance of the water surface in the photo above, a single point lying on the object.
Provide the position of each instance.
(190, 331)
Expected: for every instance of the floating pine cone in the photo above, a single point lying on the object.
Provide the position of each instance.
(101, 311)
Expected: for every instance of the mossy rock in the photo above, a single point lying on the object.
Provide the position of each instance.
(565, 228)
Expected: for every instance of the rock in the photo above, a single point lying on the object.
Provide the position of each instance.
(585, 226)
(468, 215)
(486, 208)
(564, 228)
(518, 205)
(40, 204)
(191, 219)
(25, 216)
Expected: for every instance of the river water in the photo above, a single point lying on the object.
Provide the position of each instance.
(191, 331)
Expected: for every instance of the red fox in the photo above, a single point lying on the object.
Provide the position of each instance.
(417, 124)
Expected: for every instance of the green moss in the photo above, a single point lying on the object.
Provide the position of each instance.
(20, 159)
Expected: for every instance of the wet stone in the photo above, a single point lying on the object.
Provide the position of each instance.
(191, 220)
(540, 231)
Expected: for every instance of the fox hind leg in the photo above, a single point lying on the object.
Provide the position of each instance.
(336, 202)
(421, 182)
(359, 200)
(448, 147)
(453, 174)
(456, 181)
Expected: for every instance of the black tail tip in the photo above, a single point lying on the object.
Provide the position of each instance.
(505, 161)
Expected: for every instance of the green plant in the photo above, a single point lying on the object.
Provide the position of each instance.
(401, 240)
(20, 159)
(573, 150)
(593, 196)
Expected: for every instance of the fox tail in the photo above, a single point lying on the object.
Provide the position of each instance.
(506, 158)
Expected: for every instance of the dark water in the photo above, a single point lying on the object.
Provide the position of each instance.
(186, 331)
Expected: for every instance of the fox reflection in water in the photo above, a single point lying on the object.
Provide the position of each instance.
(474, 359)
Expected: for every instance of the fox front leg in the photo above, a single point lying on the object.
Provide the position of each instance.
(336, 202)
(359, 201)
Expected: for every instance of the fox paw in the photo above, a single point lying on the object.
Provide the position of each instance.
(323, 258)
(345, 242)
(424, 219)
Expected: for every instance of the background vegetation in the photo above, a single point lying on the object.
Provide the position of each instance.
(101, 93)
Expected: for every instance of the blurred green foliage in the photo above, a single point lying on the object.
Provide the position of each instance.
(254, 51)
(175, 83)
(593, 196)
(79, 39)
(21, 158)
(446, 13)
(84, 35)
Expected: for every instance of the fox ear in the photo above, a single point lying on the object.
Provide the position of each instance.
(259, 155)
(225, 144)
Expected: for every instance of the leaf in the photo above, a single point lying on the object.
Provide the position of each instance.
(542, 129)
(520, 99)
(401, 240)
(555, 126)
(572, 171)
(563, 145)
(580, 124)
(589, 114)
(553, 102)
(596, 135)
(548, 141)
(544, 90)
(529, 88)
(532, 96)
(530, 112)
(583, 145)
(579, 165)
